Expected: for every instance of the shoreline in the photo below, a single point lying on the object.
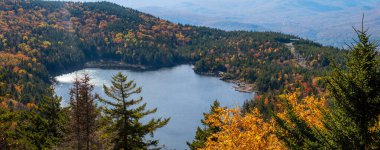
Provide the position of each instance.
(239, 86)
(243, 87)
(116, 65)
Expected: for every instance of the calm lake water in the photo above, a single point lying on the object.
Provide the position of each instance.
(177, 92)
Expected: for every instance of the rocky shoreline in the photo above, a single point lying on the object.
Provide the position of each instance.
(243, 86)
(240, 86)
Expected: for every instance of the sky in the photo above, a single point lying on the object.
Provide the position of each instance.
(329, 22)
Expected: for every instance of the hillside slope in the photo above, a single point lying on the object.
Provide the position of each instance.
(54, 37)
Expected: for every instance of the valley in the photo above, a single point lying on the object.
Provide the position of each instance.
(177, 93)
(97, 75)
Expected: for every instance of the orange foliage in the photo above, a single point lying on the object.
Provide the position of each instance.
(315, 81)
(251, 131)
(3, 104)
(8, 59)
(103, 25)
(18, 88)
(118, 38)
(16, 69)
(31, 105)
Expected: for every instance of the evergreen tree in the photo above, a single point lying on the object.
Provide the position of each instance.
(83, 112)
(9, 139)
(126, 115)
(32, 130)
(31, 126)
(41, 125)
(356, 93)
(354, 108)
(50, 109)
(203, 133)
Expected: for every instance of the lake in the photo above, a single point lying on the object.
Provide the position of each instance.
(177, 92)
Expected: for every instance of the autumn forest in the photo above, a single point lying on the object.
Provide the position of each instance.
(308, 96)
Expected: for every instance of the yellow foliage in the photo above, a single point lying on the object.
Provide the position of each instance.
(252, 132)
(308, 109)
(241, 132)
(46, 44)
(376, 127)
(31, 105)
(20, 10)
(22, 71)
(119, 38)
(24, 47)
(4, 42)
(25, 38)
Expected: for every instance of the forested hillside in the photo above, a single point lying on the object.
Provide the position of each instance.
(63, 36)
(39, 39)
(345, 116)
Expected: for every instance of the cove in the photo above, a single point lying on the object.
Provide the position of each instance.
(177, 92)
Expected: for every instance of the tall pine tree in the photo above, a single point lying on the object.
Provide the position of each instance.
(129, 131)
(50, 109)
(354, 110)
(356, 91)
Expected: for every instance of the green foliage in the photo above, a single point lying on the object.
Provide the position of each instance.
(62, 36)
(125, 114)
(9, 139)
(32, 126)
(354, 108)
(63, 49)
(203, 133)
(356, 94)
(41, 38)
(50, 109)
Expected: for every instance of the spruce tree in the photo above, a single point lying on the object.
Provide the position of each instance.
(50, 109)
(202, 134)
(42, 125)
(129, 131)
(356, 92)
(354, 107)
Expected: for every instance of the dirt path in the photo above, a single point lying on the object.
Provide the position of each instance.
(299, 59)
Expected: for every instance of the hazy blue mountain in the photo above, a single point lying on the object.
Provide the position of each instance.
(326, 21)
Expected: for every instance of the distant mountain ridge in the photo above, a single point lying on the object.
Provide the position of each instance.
(327, 22)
